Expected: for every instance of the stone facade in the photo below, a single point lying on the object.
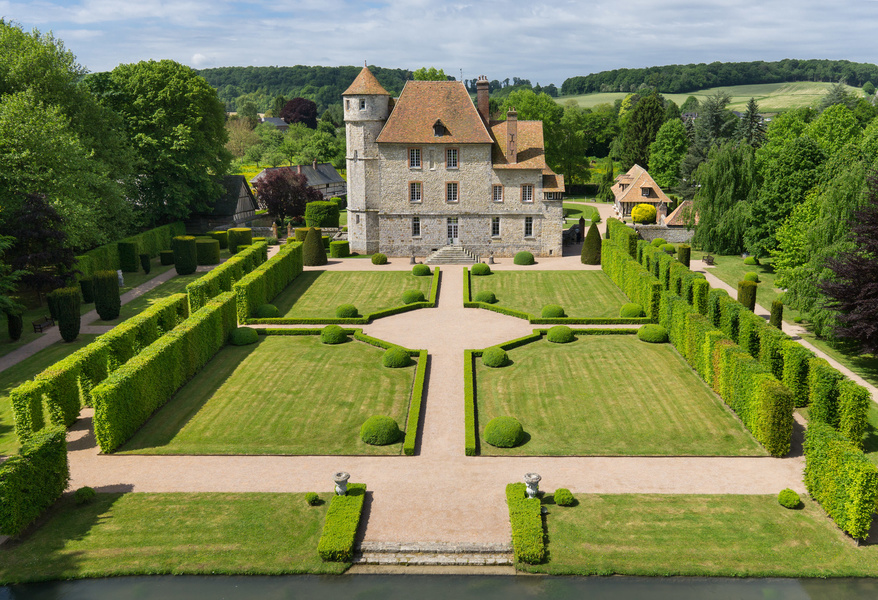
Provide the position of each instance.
(672, 235)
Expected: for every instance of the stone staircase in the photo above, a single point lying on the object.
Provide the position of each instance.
(434, 553)
(451, 255)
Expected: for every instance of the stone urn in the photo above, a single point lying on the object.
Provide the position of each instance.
(533, 484)
(341, 483)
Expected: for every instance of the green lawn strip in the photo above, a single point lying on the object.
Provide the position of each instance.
(698, 535)
(632, 398)
(731, 270)
(316, 294)
(27, 369)
(282, 395)
(580, 293)
(151, 534)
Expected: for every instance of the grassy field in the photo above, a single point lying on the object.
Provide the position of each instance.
(283, 395)
(18, 374)
(316, 294)
(572, 212)
(152, 534)
(632, 398)
(693, 535)
(581, 293)
(772, 97)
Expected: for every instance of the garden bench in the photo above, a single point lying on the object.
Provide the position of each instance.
(44, 323)
(708, 259)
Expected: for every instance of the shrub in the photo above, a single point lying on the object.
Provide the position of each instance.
(145, 263)
(643, 214)
(222, 237)
(272, 241)
(87, 289)
(185, 254)
(495, 357)
(410, 296)
(658, 242)
(789, 499)
(776, 318)
(652, 333)
(631, 311)
(239, 236)
(106, 291)
(561, 334)
(525, 517)
(127, 256)
(267, 311)
(325, 239)
(302, 233)
(480, 269)
(421, 270)
(321, 213)
(346, 311)
(244, 336)
(14, 326)
(504, 432)
(333, 334)
(395, 358)
(312, 499)
(379, 259)
(747, 294)
(67, 307)
(166, 257)
(751, 276)
(486, 297)
(591, 246)
(563, 497)
(552, 311)
(313, 252)
(684, 254)
(339, 249)
(751, 261)
(524, 258)
(380, 431)
(207, 252)
(342, 520)
(669, 249)
(84, 495)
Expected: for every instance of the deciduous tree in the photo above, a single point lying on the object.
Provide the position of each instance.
(429, 74)
(300, 110)
(727, 188)
(284, 193)
(666, 153)
(640, 130)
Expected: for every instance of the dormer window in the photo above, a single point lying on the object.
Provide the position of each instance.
(644, 191)
(439, 129)
(362, 104)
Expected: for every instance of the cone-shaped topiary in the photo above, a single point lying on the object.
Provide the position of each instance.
(652, 333)
(267, 311)
(561, 334)
(88, 293)
(346, 311)
(751, 276)
(684, 254)
(313, 252)
(631, 311)
(145, 263)
(379, 259)
(106, 291)
(486, 297)
(563, 497)
(421, 270)
(14, 326)
(396, 358)
(495, 357)
(504, 432)
(380, 431)
(524, 258)
(552, 311)
(789, 499)
(480, 269)
(747, 293)
(776, 319)
(591, 246)
(243, 336)
(67, 306)
(333, 334)
(185, 254)
(410, 296)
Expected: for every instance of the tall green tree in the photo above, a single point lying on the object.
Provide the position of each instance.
(640, 130)
(666, 153)
(605, 191)
(834, 128)
(751, 129)
(569, 151)
(429, 74)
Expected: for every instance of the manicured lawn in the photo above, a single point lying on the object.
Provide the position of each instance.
(608, 395)
(573, 211)
(151, 534)
(316, 294)
(722, 535)
(864, 365)
(731, 269)
(581, 293)
(18, 374)
(282, 395)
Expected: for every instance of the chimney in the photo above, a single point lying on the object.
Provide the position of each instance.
(482, 88)
(299, 169)
(314, 165)
(512, 136)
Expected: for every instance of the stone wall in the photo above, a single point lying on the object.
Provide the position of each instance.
(672, 235)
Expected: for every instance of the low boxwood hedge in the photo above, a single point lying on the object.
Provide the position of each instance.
(525, 516)
(333, 334)
(524, 258)
(560, 334)
(504, 432)
(342, 520)
(379, 430)
(495, 357)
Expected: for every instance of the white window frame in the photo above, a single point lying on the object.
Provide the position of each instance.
(528, 227)
(494, 189)
(415, 158)
(527, 193)
(416, 227)
(416, 192)
(452, 192)
(495, 227)
(452, 158)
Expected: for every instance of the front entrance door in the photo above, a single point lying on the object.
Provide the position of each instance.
(453, 237)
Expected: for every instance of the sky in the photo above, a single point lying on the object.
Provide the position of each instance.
(545, 42)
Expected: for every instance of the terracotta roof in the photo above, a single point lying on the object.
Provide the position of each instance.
(552, 182)
(634, 181)
(422, 103)
(531, 150)
(680, 216)
(365, 84)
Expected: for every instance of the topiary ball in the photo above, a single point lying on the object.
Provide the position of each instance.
(333, 334)
(669, 249)
(751, 276)
(495, 357)
(751, 261)
(631, 311)
(379, 431)
(396, 358)
(789, 499)
(486, 297)
(346, 311)
(524, 258)
(561, 334)
(654, 334)
(644, 214)
(421, 270)
(552, 311)
(379, 259)
(312, 499)
(84, 495)
(504, 432)
(244, 336)
(267, 311)
(563, 497)
(480, 269)
(410, 296)
(658, 242)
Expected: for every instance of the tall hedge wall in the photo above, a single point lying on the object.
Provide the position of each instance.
(106, 257)
(622, 236)
(631, 277)
(220, 279)
(268, 280)
(128, 255)
(321, 213)
(127, 398)
(31, 481)
(840, 477)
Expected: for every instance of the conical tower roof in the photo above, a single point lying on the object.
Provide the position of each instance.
(365, 85)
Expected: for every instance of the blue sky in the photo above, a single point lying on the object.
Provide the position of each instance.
(545, 42)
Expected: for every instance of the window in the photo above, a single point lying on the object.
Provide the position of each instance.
(362, 104)
(644, 191)
(495, 226)
(414, 158)
(528, 227)
(347, 104)
(497, 193)
(414, 191)
(527, 193)
(451, 191)
(416, 226)
(451, 158)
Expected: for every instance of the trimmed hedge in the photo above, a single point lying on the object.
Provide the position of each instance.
(591, 247)
(313, 252)
(342, 520)
(321, 213)
(166, 257)
(840, 477)
(379, 430)
(470, 444)
(747, 294)
(302, 233)
(185, 254)
(622, 237)
(346, 311)
(222, 237)
(639, 284)
(410, 296)
(823, 384)
(796, 361)
(239, 236)
(67, 302)
(379, 259)
(243, 336)
(333, 334)
(262, 284)
(486, 296)
(504, 432)
(340, 249)
(524, 258)
(480, 269)
(654, 334)
(776, 318)
(106, 293)
(684, 254)
(561, 334)
(525, 516)
(414, 417)
(395, 358)
(127, 256)
(221, 278)
(207, 252)
(421, 270)
(495, 357)
(33, 480)
(553, 311)
(106, 257)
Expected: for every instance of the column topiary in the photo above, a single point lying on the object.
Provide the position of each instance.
(222, 237)
(339, 249)
(145, 263)
(313, 252)
(185, 254)
(747, 293)
(106, 293)
(127, 256)
(321, 213)
(14, 325)
(776, 319)
(67, 303)
(85, 286)
(684, 254)
(239, 236)
(166, 257)
(207, 252)
(591, 246)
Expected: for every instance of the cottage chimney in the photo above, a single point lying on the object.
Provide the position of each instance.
(482, 89)
(315, 164)
(512, 136)
(299, 169)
